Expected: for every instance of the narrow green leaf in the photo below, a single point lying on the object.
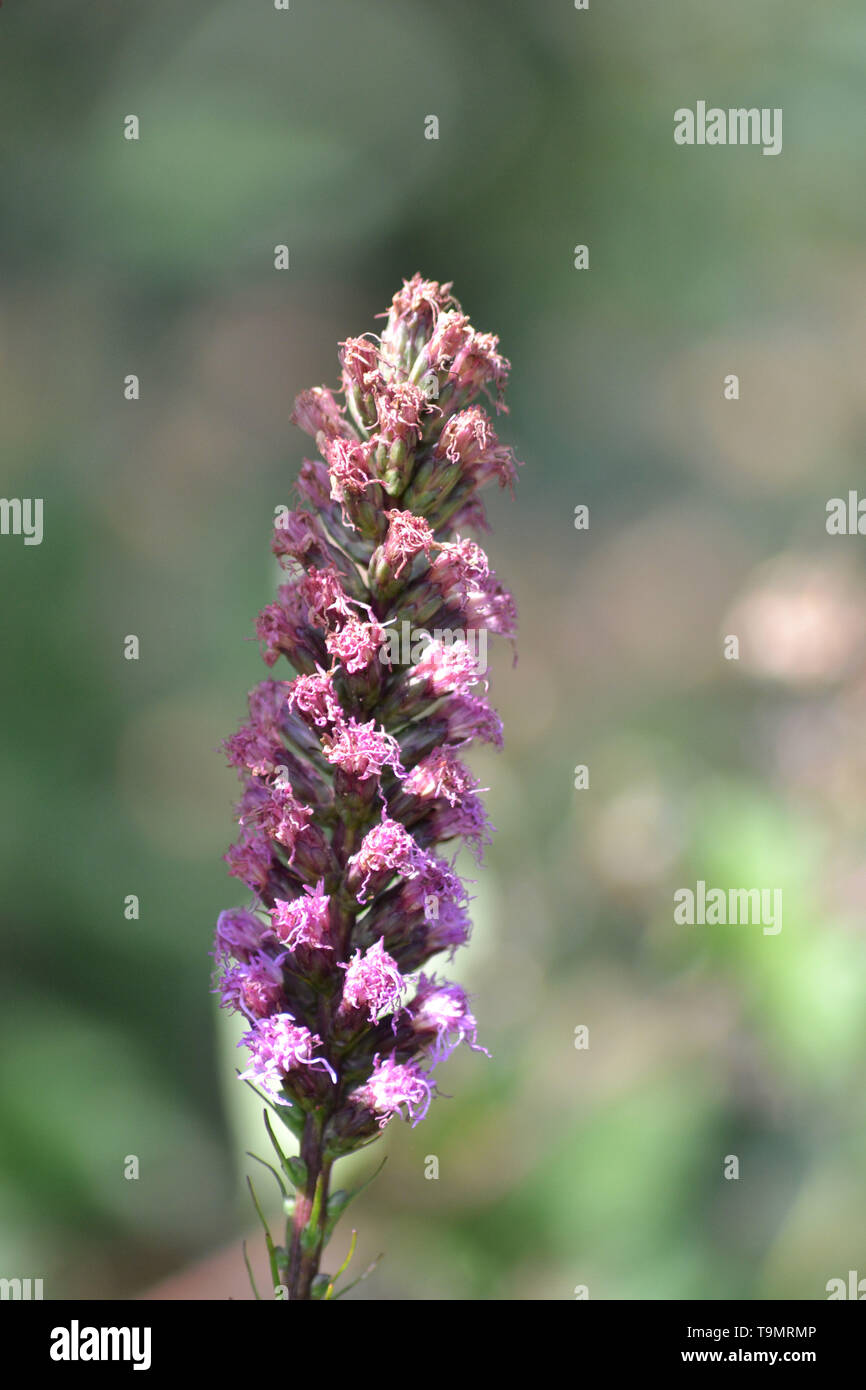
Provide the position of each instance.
(360, 1278)
(296, 1171)
(344, 1266)
(294, 1167)
(290, 1115)
(311, 1233)
(339, 1200)
(269, 1242)
(250, 1273)
(358, 1190)
(271, 1169)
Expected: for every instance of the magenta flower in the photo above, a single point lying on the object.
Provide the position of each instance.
(444, 670)
(254, 988)
(239, 934)
(353, 766)
(278, 1047)
(467, 717)
(441, 774)
(395, 1086)
(440, 1017)
(362, 750)
(356, 645)
(386, 849)
(304, 921)
(408, 536)
(314, 698)
(373, 982)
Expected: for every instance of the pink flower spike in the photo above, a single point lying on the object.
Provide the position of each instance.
(354, 784)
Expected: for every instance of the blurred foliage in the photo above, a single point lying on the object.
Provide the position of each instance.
(558, 1167)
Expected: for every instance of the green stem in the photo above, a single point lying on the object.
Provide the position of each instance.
(310, 1214)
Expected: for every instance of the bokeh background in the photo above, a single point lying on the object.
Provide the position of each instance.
(558, 1167)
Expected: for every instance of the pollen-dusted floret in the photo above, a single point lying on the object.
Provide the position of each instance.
(434, 904)
(314, 484)
(278, 813)
(253, 749)
(488, 605)
(456, 567)
(466, 437)
(267, 703)
(257, 746)
(465, 819)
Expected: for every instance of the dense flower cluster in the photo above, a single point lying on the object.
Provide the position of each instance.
(356, 797)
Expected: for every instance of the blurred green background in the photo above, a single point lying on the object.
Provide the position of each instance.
(558, 1167)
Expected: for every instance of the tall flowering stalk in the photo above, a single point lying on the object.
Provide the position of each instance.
(356, 797)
